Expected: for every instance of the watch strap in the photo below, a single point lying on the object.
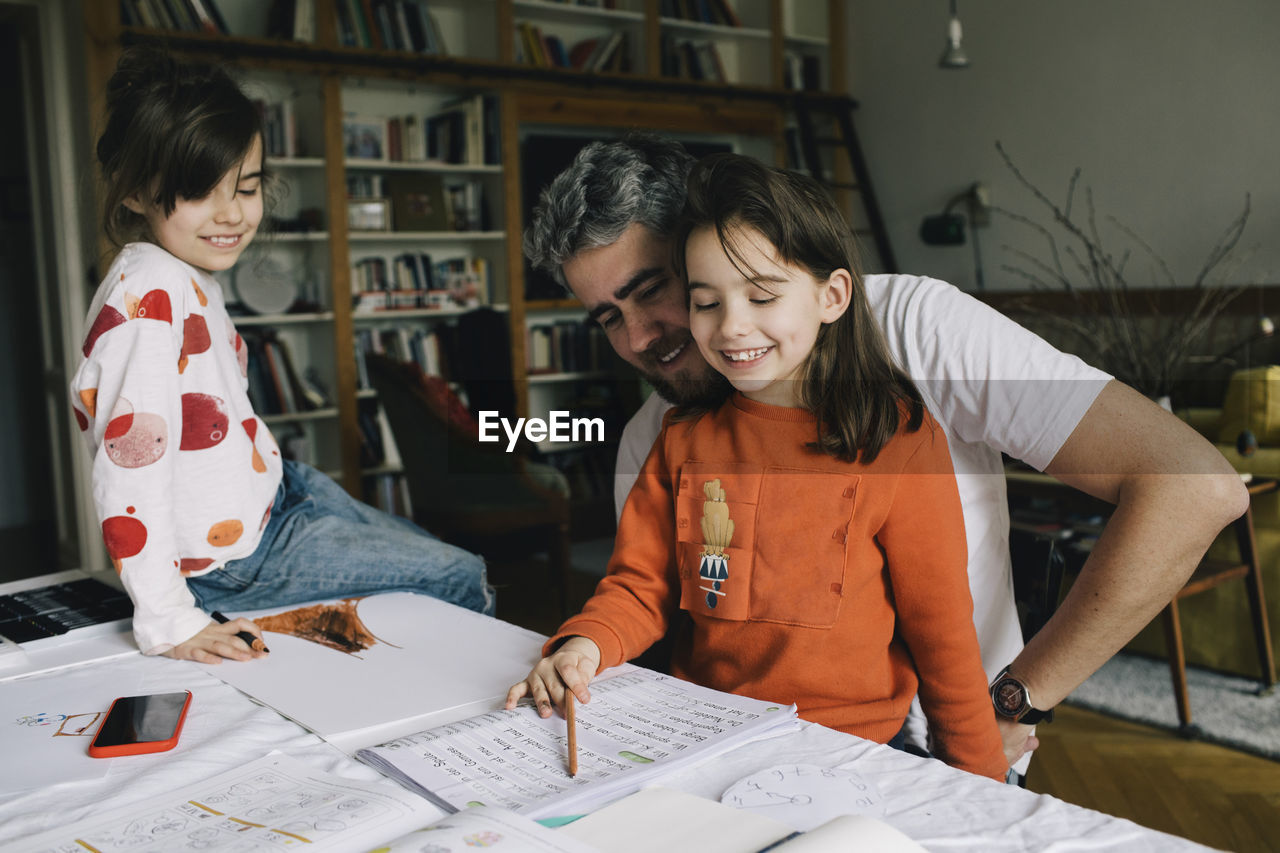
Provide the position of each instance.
(1035, 715)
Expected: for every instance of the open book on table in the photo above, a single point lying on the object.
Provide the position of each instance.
(638, 727)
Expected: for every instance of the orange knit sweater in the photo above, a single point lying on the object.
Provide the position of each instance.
(839, 582)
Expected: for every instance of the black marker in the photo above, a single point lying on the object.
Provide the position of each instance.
(251, 641)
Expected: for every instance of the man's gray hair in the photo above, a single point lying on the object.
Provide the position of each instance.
(608, 187)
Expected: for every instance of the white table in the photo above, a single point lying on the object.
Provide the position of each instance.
(942, 808)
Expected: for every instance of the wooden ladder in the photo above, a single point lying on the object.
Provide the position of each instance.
(827, 122)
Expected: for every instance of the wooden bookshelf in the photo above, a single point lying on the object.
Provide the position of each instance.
(483, 57)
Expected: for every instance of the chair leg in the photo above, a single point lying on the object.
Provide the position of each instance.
(1257, 599)
(1177, 662)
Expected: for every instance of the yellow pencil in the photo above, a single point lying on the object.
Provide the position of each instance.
(573, 733)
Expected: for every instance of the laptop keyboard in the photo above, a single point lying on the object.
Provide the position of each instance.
(36, 614)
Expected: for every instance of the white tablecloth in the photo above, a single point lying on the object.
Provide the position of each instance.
(940, 807)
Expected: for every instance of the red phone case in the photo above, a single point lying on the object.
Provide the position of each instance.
(139, 747)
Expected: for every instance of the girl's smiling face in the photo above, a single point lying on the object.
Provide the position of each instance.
(758, 324)
(212, 232)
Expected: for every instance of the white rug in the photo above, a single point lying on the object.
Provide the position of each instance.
(1225, 709)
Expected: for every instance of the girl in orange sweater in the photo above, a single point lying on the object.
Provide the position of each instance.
(809, 526)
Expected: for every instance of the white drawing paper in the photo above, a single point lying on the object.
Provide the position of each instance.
(411, 662)
(46, 725)
(271, 804)
(805, 796)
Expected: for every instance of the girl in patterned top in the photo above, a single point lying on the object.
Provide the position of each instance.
(199, 511)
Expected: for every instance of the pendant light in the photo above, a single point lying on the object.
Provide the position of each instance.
(954, 56)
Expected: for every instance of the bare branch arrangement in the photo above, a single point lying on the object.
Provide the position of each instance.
(1122, 327)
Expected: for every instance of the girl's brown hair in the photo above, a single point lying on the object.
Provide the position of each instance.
(850, 382)
(173, 131)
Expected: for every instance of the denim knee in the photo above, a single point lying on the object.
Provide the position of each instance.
(481, 596)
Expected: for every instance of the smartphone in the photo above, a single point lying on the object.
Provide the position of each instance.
(141, 724)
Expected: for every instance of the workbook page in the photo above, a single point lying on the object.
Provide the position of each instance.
(638, 726)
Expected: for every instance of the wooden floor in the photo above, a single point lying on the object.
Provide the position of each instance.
(1209, 794)
(1216, 796)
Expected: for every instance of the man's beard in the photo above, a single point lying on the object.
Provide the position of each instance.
(705, 389)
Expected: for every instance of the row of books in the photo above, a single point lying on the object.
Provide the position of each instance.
(192, 16)
(591, 4)
(567, 346)
(546, 50)
(692, 60)
(464, 131)
(414, 280)
(275, 385)
(389, 25)
(280, 128)
(292, 19)
(432, 349)
(719, 12)
(424, 201)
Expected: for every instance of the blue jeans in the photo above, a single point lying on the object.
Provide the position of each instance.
(321, 543)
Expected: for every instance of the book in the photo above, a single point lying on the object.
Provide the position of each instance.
(639, 726)
(612, 56)
(279, 379)
(210, 19)
(431, 27)
(418, 201)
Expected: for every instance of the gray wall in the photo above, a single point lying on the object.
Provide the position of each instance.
(1171, 107)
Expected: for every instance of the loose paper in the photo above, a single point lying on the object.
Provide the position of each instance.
(46, 725)
(273, 803)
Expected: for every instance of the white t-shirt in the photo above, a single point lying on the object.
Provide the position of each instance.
(184, 472)
(994, 387)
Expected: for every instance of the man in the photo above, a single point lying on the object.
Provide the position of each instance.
(602, 229)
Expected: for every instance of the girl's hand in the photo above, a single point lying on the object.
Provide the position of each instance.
(1018, 739)
(573, 665)
(217, 641)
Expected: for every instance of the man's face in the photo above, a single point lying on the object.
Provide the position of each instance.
(629, 288)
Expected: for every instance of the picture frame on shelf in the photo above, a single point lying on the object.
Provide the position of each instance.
(368, 214)
(364, 138)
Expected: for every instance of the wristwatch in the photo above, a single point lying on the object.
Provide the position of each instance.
(1012, 701)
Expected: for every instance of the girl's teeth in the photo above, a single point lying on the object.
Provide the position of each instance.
(747, 355)
(224, 241)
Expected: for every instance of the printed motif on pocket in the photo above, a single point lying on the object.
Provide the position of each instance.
(717, 533)
(716, 509)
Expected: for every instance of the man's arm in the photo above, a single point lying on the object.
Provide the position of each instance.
(1173, 492)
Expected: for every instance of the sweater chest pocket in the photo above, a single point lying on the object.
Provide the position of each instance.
(801, 544)
(716, 509)
(763, 543)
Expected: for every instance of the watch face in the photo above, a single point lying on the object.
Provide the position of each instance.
(1009, 696)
